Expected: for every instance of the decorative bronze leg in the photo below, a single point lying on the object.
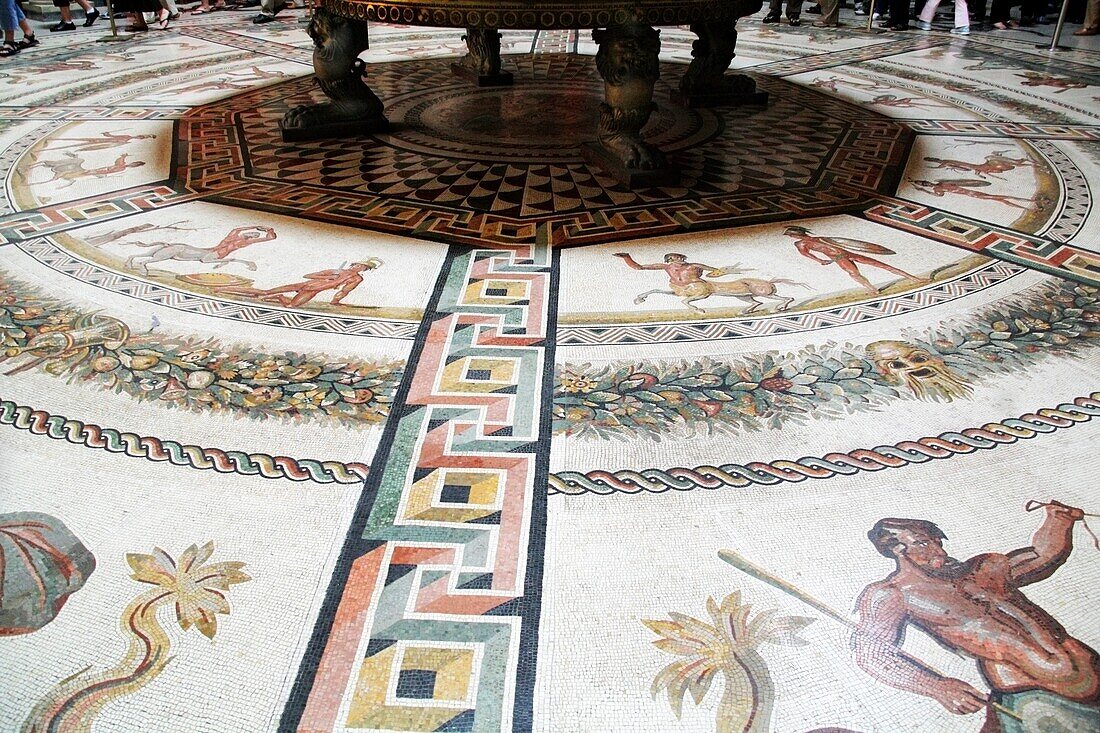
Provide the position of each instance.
(705, 82)
(627, 61)
(482, 60)
(354, 109)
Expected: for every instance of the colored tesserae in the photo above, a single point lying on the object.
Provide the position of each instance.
(663, 366)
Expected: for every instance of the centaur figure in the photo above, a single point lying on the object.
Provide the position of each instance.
(218, 254)
(685, 280)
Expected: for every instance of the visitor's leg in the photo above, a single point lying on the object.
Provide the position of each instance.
(929, 11)
(962, 14)
(354, 109)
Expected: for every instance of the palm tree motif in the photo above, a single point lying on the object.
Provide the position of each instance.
(728, 645)
(197, 592)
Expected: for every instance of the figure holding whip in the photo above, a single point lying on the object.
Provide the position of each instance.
(1033, 667)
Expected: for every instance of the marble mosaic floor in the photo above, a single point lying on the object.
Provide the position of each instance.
(442, 430)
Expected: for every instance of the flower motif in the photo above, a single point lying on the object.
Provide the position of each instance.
(173, 390)
(305, 372)
(262, 396)
(199, 589)
(195, 357)
(359, 396)
(573, 383)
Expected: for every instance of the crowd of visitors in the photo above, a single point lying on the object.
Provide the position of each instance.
(892, 15)
(895, 15)
(139, 14)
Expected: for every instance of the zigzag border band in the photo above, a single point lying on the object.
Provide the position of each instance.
(76, 432)
(945, 445)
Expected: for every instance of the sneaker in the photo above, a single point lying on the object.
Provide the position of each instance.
(261, 18)
(770, 19)
(91, 18)
(62, 26)
(924, 26)
(794, 21)
(861, 11)
(962, 30)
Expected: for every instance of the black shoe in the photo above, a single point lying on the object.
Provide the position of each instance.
(814, 10)
(91, 18)
(770, 19)
(794, 21)
(28, 42)
(62, 26)
(261, 18)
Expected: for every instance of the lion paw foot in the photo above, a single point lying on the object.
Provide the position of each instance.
(635, 153)
(480, 66)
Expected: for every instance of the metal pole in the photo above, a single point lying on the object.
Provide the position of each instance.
(115, 35)
(1058, 30)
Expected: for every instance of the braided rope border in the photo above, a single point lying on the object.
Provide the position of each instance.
(945, 445)
(76, 432)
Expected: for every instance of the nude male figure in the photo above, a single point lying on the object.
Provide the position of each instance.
(72, 168)
(106, 141)
(996, 162)
(846, 253)
(966, 186)
(680, 272)
(343, 280)
(1034, 668)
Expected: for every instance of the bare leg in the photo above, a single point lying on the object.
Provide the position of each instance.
(705, 82)
(627, 61)
(354, 109)
(689, 302)
(482, 59)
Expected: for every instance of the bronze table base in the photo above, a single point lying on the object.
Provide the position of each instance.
(626, 60)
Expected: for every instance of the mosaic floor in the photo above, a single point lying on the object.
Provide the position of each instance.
(353, 436)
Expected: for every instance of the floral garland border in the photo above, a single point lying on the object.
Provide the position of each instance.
(76, 432)
(907, 452)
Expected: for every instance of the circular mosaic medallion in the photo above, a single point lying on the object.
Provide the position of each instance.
(504, 164)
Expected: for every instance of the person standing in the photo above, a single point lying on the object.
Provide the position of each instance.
(794, 9)
(962, 17)
(269, 8)
(91, 15)
(11, 17)
(898, 19)
(137, 9)
(830, 14)
(1091, 26)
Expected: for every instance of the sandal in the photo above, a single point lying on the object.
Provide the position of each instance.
(162, 23)
(28, 42)
(200, 10)
(8, 49)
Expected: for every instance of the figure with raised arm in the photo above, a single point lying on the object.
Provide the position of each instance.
(1035, 669)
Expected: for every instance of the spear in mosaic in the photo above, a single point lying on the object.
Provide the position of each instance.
(749, 568)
